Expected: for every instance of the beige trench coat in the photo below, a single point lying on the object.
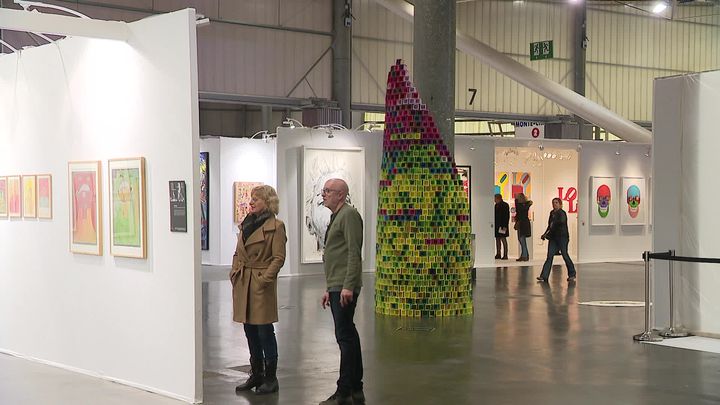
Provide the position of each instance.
(256, 264)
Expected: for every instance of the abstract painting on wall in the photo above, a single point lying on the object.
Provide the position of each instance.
(204, 200)
(464, 172)
(241, 197)
(44, 196)
(85, 207)
(3, 197)
(522, 183)
(14, 196)
(127, 207)
(603, 201)
(634, 201)
(29, 195)
(502, 184)
(320, 165)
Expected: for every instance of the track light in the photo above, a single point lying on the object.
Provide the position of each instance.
(291, 123)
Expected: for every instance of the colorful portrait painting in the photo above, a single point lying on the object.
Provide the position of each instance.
(44, 196)
(29, 195)
(3, 197)
(85, 201)
(127, 207)
(241, 193)
(634, 201)
(204, 200)
(502, 184)
(603, 199)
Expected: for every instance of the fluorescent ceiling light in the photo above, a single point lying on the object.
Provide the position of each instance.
(660, 7)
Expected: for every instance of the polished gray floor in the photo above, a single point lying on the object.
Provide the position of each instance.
(526, 343)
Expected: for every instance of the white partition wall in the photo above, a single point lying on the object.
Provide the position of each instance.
(686, 194)
(137, 321)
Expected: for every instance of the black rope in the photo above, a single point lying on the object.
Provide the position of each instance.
(669, 257)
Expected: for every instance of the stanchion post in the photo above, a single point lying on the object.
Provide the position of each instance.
(672, 331)
(647, 336)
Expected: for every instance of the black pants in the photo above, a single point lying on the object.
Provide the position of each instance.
(351, 368)
(261, 341)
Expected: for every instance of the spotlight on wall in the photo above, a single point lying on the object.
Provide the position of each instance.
(617, 151)
(541, 147)
(291, 122)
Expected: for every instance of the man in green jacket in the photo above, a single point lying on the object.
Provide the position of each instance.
(343, 270)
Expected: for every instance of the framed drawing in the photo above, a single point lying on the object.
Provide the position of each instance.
(318, 166)
(204, 200)
(29, 195)
(14, 195)
(44, 196)
(128, 219)
(603, 201)
(3, 197)
(85, 204)
(634, 201)
(178, 206)
(241, 198)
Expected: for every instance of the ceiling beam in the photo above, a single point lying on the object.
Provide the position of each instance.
(33, 21)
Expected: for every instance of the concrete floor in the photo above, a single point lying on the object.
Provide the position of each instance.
(526, 343)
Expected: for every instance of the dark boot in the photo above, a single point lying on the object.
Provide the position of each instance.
(256, 376)
(270, 382)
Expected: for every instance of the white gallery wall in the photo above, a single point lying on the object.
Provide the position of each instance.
(290, 143)
(136, 321)
(685, 160)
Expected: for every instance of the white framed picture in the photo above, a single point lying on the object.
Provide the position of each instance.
(603, 201)
(634, 201)
(318, 166)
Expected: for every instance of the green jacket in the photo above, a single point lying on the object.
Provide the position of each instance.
(343, 250)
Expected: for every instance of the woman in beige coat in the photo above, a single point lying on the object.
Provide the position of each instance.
(259, 255)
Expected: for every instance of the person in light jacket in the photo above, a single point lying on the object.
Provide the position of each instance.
(259, 255)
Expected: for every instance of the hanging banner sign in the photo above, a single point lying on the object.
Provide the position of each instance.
(533, 130)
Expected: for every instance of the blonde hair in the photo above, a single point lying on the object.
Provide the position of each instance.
(269, 195)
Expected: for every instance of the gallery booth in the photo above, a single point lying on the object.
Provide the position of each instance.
(299, 160)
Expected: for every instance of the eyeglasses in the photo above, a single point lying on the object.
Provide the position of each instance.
(328, 190)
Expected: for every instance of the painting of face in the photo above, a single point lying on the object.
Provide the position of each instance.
(633, 188)
(633, 200)
(604, 197)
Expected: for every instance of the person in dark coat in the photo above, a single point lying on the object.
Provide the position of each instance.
(558, 239)
(522, 224)
(502, 230)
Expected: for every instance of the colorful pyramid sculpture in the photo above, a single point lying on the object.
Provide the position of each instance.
(423, 231)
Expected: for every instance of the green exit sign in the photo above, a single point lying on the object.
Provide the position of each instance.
(541, 50)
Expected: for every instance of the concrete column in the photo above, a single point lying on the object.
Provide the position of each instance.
(266, 116)
(434, 62)
(342, 54)
(579, 46)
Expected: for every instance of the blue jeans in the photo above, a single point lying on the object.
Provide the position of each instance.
(261, 341)
(351, 366)
(555, 246)
(523, 246)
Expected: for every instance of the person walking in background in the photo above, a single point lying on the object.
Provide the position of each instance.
(259, 255)
(342, 261)
(522, 224)
(558, 239)
(502, 223)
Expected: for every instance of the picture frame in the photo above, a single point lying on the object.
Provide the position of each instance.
(44, 196)
(85, 203)
(317, 166)
(128, 211)
(178, 206)
(29, 196)
(14, 187)
(3, 197)
(603, 201)
(204, 200)
(634, 201)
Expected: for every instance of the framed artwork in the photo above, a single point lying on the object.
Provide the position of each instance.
(633, 201)
(318, 166)
(522, 183)
(178, 206)
(502, 185)
(204, 200)
(14, 197)
(85, 195)
(29, 195)
(128, 218)
(44, 196)
(603, 201)
(3, 197)
(241, 197)
(464, 172)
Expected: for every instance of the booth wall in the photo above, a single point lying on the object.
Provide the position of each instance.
(616, 242)
(685, 157)
(137, 321)
(290, 144)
